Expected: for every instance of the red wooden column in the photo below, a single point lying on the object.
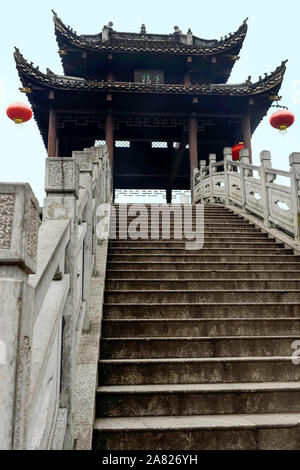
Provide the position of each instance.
(187, 75)
(52, 137)
(246, 130)
(193, 142)
(109, 137)
(187, 79)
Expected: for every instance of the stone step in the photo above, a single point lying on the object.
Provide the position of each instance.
(197, 370)
(166, 245)
(215, 223)
(201, 251)
(245, 432)
(192, 207)
(196, 347)
(151, 204)
(115, 275)
(234, 346)
(179, 219)
(202, 296)
(218, 237)
(211, 231)
(205, 266)
(197, 399)
(199, 310)
(218, 225)
(139, 327)
(202, 284)
(216, 258)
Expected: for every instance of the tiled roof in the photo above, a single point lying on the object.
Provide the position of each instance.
(154, 43)
(28, 72)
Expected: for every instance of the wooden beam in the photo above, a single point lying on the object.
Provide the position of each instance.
(52, 137)
(121, 112)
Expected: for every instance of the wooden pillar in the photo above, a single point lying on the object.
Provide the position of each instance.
(193, 130)
(52, 137)
(169, 195)
(246, 130)
(187, 79)
(110, 73)
(109, 137)
(110, 76)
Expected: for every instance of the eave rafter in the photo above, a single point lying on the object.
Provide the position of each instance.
(131, 42)
(28, 73)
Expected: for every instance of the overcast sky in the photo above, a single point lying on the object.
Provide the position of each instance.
(273, 36)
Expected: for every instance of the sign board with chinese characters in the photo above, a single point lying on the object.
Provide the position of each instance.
(149, 77)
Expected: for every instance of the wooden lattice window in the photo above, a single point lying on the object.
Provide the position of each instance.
(159, 145)
(122, 143)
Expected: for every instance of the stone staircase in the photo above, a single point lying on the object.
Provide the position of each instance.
(195, 349)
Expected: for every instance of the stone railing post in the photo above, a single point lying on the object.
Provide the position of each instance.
(295, 188)
(212, 170)
(85, 163)
(244, 159)
(227, 157)
(19, 216)
(265, 162)
(62, 189)
(102, 181)
(96, 181)
(202, 166)
(194, 184)
(108, 176)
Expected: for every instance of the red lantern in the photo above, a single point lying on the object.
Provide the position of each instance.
(236, 151)
(19, 112)
(282, 119)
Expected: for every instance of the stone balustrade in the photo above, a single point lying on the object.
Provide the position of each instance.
(253, 189)
(44, 296)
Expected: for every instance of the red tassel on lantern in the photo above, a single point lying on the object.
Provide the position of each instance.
(236, 151)
(19, 112)
(282, 120)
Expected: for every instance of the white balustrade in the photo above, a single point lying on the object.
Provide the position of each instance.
(253, 189)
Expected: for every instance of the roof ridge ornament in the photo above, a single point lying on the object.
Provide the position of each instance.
(49, 72)
(189, 37)
(177, 31)
(143, 29)
(106, 31)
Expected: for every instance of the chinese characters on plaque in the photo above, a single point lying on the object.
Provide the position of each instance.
(149, 77)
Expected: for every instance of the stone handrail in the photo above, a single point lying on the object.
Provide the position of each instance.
(45, 276)
(276, 205)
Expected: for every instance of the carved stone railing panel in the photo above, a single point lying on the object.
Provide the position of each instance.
(279, 215)
(254, 196)
(235, 194)
(218, 181)
(206, 187)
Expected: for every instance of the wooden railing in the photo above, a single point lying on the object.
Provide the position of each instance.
(253, 189)
(45, 275)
